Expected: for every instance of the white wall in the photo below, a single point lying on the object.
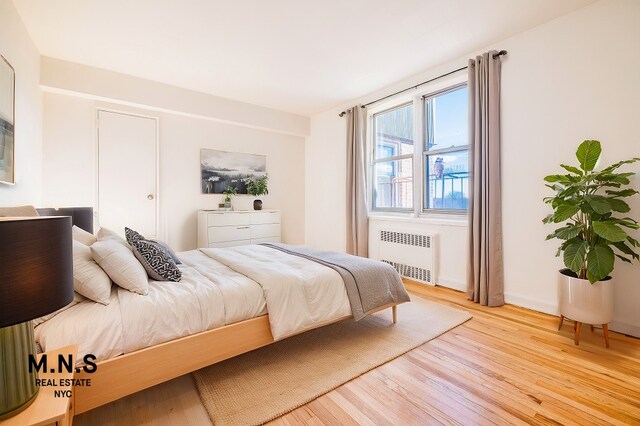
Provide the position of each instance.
(70, 166)
(81, 80)
(570, 79)
(16, 46)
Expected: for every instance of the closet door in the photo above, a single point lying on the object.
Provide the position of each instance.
(127, 172)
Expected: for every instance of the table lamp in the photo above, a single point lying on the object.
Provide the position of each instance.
(36, 278)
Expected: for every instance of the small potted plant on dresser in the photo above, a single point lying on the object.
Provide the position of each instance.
(229, 192)
(588, 204)
(257, 187)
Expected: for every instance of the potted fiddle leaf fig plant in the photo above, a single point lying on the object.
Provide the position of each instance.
(595, 222)
(257, 187)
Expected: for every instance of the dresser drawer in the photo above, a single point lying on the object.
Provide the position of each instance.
(218, 234)
(264, 231)
(258, 218)
(228, 218)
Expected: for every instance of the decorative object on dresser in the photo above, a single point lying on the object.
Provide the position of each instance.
(257, 187)
(220, 169)
(226, 229)
(587, 203)
(7, 119)
(229, 192)
(36, 278)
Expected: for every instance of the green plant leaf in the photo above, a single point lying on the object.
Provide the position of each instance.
(572, 169)
(588, 154)
(567, 232)
(609, 231)
(600, 261)
(598, 203)
(626, 249)
(564, 211)
(619, 205)
(633, 241)
(622, 178)
(627, 222)
(620, 163)
(624, 193)
(624, 259)
(557, 178)
(575, 255)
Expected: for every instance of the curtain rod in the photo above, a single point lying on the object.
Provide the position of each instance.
(500, 53)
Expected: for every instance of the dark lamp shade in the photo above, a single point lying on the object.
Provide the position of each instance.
(36, 267)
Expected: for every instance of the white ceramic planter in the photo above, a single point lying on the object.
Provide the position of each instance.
(584, 302)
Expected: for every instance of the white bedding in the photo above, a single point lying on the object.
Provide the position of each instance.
(220, 287)
(300, 294)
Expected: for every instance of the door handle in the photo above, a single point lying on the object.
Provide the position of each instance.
(150, 197)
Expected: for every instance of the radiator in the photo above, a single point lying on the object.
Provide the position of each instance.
(413, 255)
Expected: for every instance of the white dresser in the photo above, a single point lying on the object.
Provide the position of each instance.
(236, 228)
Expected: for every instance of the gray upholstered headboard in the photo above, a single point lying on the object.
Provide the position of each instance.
(82, 217)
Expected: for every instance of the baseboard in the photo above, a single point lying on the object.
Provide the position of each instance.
(624, 328)
(552, 309)
(454, 284)
(536, 305)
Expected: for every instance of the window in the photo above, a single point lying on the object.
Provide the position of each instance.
(442, 183)
(393, 152)
(446, 155)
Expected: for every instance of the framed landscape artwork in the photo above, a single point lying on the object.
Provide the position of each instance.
(7, 112)
(220, 170)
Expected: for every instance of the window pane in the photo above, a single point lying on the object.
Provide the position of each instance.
(448, 180)
(446, 119)
(393, 184)
(394, 132)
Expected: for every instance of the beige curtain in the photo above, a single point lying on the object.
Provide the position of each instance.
(485, 283)
(357, 220)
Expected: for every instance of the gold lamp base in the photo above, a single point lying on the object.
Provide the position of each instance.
(17, 385)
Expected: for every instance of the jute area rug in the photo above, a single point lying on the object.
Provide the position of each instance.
(267, 383)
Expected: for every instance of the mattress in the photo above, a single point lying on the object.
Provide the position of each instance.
(210, 295)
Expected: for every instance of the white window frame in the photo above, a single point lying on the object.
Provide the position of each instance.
(419, 157)
(375, 161)
(427, 153)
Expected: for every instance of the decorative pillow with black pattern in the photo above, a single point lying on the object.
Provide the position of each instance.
(132, 236)
(158, 264)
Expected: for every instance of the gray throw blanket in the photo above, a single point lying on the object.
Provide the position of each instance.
(370, 283)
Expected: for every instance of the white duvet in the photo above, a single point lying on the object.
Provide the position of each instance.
(218, 287)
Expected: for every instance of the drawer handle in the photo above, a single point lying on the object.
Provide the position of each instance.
(242, 227)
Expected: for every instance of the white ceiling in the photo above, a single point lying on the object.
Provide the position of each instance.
(301, 56)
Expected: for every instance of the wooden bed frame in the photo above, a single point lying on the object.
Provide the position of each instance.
(126, 374)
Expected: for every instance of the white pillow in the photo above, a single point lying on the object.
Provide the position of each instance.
(82, 236)
(88, 278)
(105, 234)
(121, 265)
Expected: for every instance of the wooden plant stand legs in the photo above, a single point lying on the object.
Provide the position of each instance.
(577, 326)
(577, 332)
(561, 321)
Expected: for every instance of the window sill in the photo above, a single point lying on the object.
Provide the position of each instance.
(425, 218)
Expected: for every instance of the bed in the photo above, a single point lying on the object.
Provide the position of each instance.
(228, 302)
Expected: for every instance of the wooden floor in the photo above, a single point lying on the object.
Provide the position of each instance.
(507, 365)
